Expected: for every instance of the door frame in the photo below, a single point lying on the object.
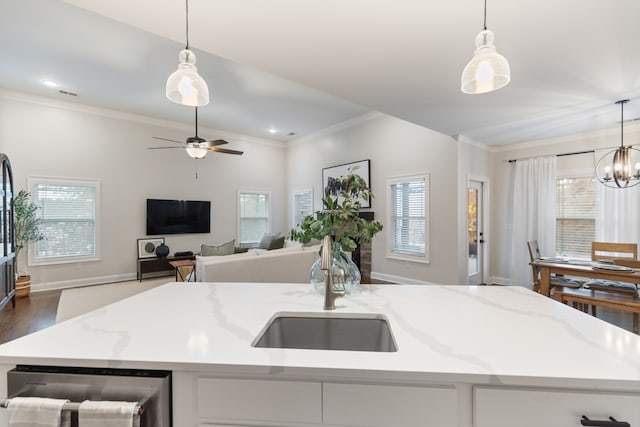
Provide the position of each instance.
(483, 227)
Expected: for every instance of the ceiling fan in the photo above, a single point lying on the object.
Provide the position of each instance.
(197, 147)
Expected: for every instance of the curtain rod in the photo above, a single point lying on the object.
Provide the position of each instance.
(557, 155)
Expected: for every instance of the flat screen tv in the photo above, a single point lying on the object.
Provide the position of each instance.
(178, 217)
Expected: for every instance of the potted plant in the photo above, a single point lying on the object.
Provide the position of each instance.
(341, 220)
(27, 230)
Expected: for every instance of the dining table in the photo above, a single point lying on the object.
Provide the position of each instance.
(582, 268)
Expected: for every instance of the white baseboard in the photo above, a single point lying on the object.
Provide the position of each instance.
(399, 279)
(64, 284)
(494, 280)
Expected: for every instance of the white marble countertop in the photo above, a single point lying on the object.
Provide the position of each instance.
(482, 335)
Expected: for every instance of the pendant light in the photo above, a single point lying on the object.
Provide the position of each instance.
(185, 86)
(488, 70)
(615, 169)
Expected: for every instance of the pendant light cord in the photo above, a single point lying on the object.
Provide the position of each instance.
(622, 124)
(485, 15)
(196, 122)
(187, 19)
(622, 102)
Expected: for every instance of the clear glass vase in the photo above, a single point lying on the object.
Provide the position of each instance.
(346, 275)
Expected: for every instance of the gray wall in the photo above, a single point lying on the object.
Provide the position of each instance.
(501, 222)
(395, 148)
(52, 139)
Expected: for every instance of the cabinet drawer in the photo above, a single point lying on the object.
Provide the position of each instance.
(506, 407)
(385, 406)
(258, 400)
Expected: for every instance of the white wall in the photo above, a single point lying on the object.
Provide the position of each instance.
(502, 223)
(47, 138)
(395, 148)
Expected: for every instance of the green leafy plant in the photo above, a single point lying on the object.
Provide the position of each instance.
(27, 223)
(340, 218)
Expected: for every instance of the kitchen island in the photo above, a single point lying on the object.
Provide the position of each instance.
(487, 356)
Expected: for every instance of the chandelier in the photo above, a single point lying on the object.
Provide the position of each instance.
(620, 168)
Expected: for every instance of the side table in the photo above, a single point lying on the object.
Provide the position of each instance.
(183, 269)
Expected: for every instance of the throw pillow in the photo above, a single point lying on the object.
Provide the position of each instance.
(277, 243)
(218, 250)
(266, 239)
(239, 250)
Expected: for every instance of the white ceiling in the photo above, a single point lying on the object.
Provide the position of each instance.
(570, 61)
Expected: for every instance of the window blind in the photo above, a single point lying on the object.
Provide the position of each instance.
(575, 216)
(254, 216)
(68, 214)
(408, 216)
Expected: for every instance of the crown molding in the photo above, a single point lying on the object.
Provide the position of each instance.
(305, 139)
(130, 117)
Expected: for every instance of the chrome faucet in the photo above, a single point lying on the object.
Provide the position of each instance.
(330, 294)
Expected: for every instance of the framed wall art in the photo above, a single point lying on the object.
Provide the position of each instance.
(147, 247)
(330, 174)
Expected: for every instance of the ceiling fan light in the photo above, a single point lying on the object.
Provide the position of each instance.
(185, 86)
(196, 151)
(488, 70)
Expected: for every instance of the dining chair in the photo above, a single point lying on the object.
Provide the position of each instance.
(611, 251)
(555, 280)
(618, 253)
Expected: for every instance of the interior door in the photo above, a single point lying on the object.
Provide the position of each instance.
(475, 233)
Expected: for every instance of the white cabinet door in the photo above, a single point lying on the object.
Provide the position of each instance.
(389, 406)
(247, 401)
(508, 407)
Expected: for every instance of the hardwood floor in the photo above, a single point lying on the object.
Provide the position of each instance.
(38, 311)
(35, 312)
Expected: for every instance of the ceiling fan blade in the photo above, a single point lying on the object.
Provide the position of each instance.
(225, 150)
(167, 139)
(161, 148)
(217, 142)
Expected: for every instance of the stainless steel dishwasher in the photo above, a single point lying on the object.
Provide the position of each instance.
(150, 389)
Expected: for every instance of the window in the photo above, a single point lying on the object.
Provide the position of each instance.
(69, 210)
(302, 205)
(254, 215)
(575, 216)
(408, 221)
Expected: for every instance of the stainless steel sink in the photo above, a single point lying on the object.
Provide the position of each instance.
(318, 331)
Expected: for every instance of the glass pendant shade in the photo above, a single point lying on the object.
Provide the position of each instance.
(196, 151)
(185, 86)
(488, 70)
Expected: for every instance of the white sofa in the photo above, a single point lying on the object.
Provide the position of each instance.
(286, 265)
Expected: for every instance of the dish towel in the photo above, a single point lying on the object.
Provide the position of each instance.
(106, 414)
(37, 412)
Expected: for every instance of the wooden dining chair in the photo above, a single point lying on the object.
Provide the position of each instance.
(617, 253)
(620, 254)
(534, 255)
(611, 251)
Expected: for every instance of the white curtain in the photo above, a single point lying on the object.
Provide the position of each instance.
(533, 198)
(616, 212)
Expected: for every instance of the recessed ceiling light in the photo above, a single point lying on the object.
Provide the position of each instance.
(49, 83)
(272, 130)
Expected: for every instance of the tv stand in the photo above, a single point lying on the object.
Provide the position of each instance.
(159, 265)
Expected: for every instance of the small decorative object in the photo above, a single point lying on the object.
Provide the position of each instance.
(27, 230)
(341, 221)
(147, 247)
(162, 251)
